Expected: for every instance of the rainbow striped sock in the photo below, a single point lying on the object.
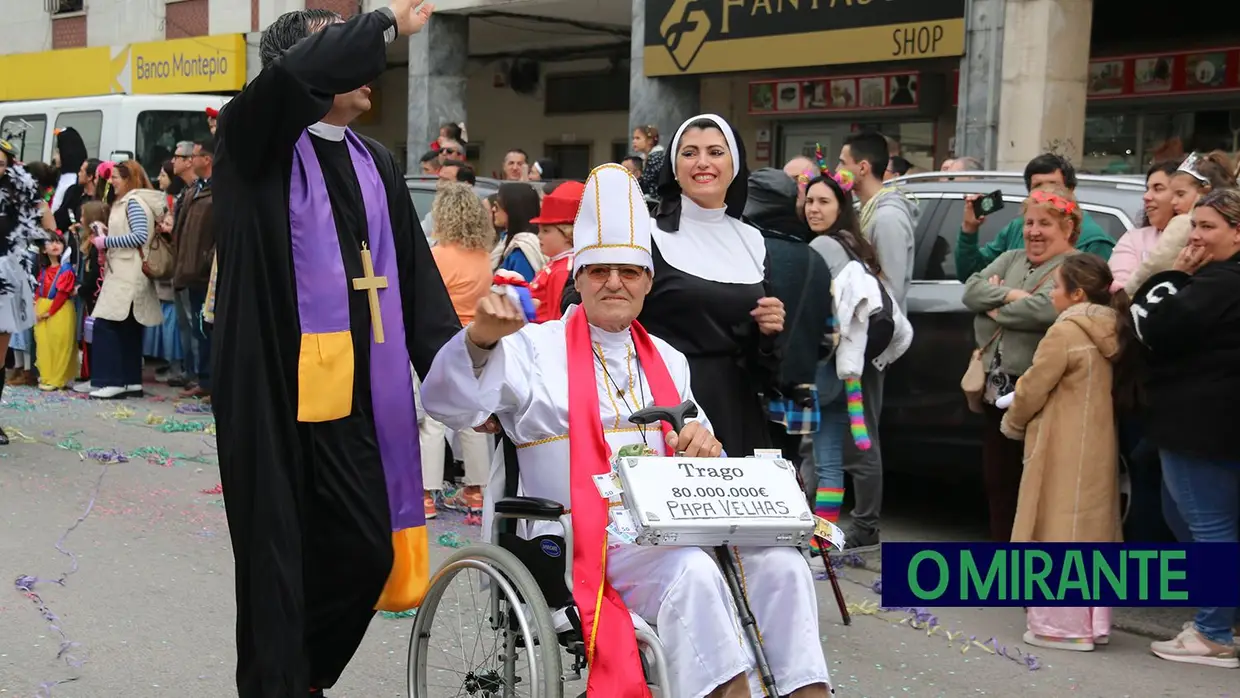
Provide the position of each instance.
(827, 505)
(856, 413)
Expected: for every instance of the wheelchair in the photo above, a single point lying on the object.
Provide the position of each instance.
(526, 600)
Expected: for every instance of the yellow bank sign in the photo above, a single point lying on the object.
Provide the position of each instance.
(197, 64)
(723, 36)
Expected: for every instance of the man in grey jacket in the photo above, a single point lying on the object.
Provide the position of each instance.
(888, 220)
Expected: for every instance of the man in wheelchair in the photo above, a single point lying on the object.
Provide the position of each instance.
(583, 376)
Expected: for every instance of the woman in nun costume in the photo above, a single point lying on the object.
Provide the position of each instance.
(710, 299)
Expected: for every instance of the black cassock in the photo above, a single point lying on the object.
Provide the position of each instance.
(307, 505)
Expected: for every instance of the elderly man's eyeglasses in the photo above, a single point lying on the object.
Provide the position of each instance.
(601, 273)
(450, 151)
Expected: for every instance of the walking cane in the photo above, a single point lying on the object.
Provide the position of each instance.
(835, 587)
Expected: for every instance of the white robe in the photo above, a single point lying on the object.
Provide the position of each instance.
(678, 590)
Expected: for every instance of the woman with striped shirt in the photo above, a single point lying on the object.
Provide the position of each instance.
(127, 302)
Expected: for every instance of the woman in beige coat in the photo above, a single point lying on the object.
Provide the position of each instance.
(1062, 409)
(127, 301)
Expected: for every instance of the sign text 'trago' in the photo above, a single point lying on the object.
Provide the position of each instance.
(725, 36)
(199, 64)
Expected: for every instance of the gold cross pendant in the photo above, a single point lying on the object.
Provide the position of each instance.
(371, 285)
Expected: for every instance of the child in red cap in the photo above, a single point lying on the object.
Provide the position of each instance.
(555, 237)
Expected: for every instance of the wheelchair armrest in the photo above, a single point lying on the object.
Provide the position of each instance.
(529, 508)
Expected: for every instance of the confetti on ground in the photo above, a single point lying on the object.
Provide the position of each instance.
(26, 584)
(120, 413)
(452, 539)
(193, 408)
(923, 619)
(218, 489)
(391, 615)
(106, 456)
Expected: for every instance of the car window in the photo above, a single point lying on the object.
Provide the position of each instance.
(1111, 223)
(942, 263)
(422, 200)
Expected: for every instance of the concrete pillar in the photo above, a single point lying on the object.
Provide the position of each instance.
(1045, 75)
(437, 81)
(663, 102)
(981, 75)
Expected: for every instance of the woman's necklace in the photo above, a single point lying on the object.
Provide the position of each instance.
(598, 354)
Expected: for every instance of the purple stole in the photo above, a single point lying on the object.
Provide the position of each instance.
(326, 363)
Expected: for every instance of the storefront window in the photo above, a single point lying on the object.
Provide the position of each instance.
(160, 131)
(916, 140)
(1111, 145)
(1130, 143)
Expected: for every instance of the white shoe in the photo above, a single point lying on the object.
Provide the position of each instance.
(114, 392)
(84, 388)
(133, 390)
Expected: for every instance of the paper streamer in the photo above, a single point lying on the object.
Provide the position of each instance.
(25, 584)
(856, 413)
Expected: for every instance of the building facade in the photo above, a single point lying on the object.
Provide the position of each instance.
(1000, 80)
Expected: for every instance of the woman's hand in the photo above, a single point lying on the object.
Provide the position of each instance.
(97, 241)
(1191, 259)
(42, 316)
(1015, 295)
(769, 315)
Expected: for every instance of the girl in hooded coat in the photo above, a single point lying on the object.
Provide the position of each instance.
(1069, 491)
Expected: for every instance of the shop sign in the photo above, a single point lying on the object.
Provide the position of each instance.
(847, 93)
(1147, 75)
(725, 36)
(197, 64)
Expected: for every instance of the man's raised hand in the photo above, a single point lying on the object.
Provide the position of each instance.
(495, 318)
(411, 15)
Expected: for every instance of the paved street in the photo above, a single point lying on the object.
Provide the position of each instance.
(150, 608)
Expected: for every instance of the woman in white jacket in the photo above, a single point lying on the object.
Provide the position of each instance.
(858, 294)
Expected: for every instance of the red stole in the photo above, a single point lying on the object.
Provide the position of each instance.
(612, 654)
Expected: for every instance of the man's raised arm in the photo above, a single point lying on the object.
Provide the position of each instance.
(315, 60)
(487, 368)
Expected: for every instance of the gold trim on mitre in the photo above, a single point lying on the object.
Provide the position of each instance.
(600, 234)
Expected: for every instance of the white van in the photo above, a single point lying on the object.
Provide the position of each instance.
(114, 127)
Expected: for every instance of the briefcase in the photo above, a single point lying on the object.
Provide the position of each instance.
(714, 501)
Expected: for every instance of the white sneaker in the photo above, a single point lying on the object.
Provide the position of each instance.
(110, 393)
(133, 390)
(84, 388)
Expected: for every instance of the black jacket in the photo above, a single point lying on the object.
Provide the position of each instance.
(1191, 326)
(799, 276)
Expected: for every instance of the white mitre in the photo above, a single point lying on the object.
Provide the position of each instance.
(612, 226)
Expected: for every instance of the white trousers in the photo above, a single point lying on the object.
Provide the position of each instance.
(475, 450)
(682, 592)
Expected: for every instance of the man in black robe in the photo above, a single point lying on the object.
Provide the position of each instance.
(306, 496)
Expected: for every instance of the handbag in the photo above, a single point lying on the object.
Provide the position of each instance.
(973, 383)
(157, 258)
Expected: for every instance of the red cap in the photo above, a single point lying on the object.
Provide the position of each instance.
(212, 113)
(560, 206)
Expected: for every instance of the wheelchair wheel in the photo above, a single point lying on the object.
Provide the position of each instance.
(523, 656)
